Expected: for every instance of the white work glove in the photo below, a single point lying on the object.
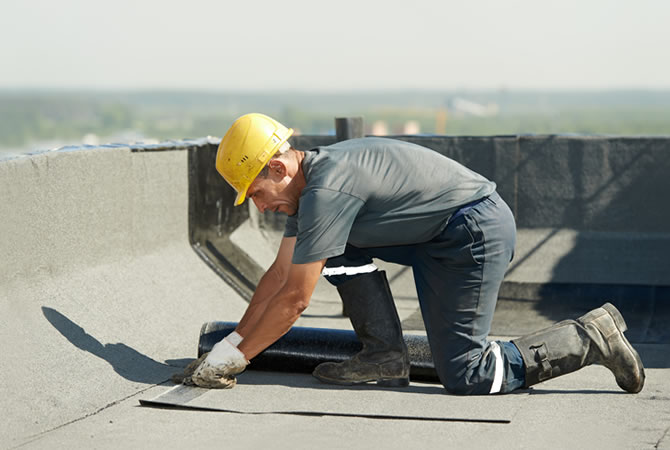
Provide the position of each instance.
(186, 376)
(222, 363)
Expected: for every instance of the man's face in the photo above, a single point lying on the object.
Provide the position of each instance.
(274, 192)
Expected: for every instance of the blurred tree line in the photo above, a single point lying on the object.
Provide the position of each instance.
(29, 117)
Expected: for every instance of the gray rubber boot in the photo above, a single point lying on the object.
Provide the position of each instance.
(595, 338)
(384, 359)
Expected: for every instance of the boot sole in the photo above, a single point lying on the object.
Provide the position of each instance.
(385, 382)
(395, 382)
(622, 327)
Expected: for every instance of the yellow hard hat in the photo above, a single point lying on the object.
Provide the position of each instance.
(246, 148)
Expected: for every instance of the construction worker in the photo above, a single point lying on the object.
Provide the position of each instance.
(368, 198)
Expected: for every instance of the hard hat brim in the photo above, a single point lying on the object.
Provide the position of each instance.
(241, 196)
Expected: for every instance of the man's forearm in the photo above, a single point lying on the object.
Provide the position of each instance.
(277, 318)
(269, 284)
(282, 309)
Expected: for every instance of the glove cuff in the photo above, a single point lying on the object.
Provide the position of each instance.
(225, 353)
(234, 338)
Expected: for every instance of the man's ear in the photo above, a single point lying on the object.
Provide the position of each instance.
(277, 168)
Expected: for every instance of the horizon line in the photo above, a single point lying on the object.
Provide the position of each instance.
(338, 91)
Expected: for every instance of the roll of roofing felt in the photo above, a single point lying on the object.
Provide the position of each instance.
(303, 348)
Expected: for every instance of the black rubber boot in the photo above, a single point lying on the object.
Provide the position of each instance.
(595, 338)
(384, 359)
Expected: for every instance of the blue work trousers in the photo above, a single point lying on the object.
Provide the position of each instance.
(458, 275)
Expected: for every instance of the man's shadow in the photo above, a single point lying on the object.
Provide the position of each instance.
(126, 361)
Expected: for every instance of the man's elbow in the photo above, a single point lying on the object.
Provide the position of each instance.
(299, 303)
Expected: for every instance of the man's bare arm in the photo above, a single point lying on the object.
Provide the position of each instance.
(270, 283)
(283, 309)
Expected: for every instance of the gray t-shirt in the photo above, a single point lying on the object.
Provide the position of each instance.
(377, 192)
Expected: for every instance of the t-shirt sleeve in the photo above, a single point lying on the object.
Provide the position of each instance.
(291, 227)
(324, 221)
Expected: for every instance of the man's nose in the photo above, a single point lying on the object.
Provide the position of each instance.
(259, 205)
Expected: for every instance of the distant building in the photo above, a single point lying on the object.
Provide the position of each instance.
(462, 106)
(411, 127)
(379, 128)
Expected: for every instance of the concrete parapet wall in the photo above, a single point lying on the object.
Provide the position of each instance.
(101, 294)
(66, 210)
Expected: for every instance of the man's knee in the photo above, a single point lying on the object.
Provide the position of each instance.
(463, 375)
(452, 375)
(497, 369)
(456, 384)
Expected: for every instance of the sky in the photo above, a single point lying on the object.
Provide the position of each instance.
(334, 46)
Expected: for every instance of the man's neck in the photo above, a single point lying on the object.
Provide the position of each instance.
(299, 177)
